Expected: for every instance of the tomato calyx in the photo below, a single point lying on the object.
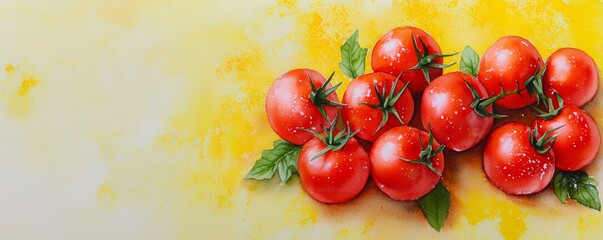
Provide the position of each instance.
(427, 152)
(333, 141)
(425, 61)
(544, 143)
(318, 96)
(552, 111)
(534, 84)
(479, 104)
(387, 102)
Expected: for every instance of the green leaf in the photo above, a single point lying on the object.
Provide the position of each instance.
(561, 187)
(469, 61)
(435, 206)
(282, 158)
(352, 57)
(579, 186)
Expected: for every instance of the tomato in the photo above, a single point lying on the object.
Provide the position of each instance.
(513, 163)
(572, 74)
(510, 62)
(290, 107)
(371, 105)
(578, 139)
(338, 175)
(394, 174)
(446, 110)
(395, 52)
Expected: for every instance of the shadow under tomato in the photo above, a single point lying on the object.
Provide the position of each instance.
(371, 202)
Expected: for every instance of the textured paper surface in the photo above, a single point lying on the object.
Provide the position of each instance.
(139, 119)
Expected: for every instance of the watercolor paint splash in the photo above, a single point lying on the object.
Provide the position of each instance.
(139, 120)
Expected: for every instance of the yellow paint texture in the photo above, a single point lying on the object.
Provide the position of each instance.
(139, 119)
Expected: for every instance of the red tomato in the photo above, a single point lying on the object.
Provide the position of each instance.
(445, 108)
(577, 140)
(395, 52)
(290, 108)
(367, 119)
(337, 176)
(398, 178)
(513, 164)
(510, 61)
(572, 74)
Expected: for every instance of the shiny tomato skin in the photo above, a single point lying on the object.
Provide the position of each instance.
(395, 52)
(367, 119)
(445, 108)
(572, 74)
(398, 179)
(510, 60)
(513, 165)
(290, 108)
(336, 177)
(577, 142)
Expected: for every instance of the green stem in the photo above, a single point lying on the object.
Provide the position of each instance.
(552, 111)
(333, 141)
(387, 102)
(318, 96)
(544, 144)
(426, 154)
(480, 104)
(425, 61)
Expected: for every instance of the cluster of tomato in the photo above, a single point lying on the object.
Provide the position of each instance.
(456, 112)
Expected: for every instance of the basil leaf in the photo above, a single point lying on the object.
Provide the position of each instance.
(282, 158)
(561, 187)
(469, 61)
(435, 206)
(579, 186)
(352, 57)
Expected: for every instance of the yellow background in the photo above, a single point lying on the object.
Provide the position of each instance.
(138, 120)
